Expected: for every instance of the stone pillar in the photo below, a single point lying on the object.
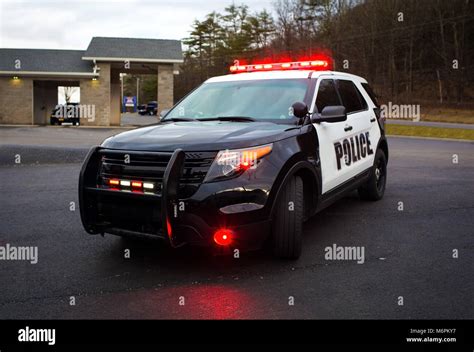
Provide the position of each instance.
(16, 101)
(115, 98)
(97, 93)
(165, 87)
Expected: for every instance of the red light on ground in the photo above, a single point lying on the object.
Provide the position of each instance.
(223, 237)
(137, 184)
(114, 182)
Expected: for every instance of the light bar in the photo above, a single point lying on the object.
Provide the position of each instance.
(127, 184)
(320, 64)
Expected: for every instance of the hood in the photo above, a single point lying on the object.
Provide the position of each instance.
(200, 136)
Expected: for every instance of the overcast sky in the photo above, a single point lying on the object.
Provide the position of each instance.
(70, 24)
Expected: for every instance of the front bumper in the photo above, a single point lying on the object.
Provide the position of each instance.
(178, 221)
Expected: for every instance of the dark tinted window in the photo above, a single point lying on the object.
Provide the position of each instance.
(371, 94)
(327, 95)
(351, 97)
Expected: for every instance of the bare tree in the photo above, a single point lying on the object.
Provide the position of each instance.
(68, 93)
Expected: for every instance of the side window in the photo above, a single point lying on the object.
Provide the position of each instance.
(371, 94)
(351, 97)
(362, 99)
(327, 95)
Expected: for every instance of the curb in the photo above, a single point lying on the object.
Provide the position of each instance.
(432, 138)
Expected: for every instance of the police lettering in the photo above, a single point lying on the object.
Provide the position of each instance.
(353, 149)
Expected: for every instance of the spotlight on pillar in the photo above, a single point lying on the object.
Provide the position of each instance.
(94, 78)
(16, 78)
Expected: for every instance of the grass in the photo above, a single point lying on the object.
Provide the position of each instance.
(451, 115)
(425, 131)
(446, 114)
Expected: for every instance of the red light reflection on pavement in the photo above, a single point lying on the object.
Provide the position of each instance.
(200, 302)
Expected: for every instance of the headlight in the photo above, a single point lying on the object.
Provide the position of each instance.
(231, 163)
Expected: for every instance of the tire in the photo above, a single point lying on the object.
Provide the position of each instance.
(374, 189)
(288, 224)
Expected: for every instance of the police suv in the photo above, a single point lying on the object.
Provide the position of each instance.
(242, 160)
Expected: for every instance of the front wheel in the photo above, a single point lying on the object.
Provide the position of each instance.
(374, 189)
(288, 221)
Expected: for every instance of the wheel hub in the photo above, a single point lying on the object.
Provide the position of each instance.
(377, 173)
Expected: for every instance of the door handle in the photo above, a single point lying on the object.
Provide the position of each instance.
(348, 128)
(372, 120)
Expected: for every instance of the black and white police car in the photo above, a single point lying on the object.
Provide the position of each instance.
(242, 160)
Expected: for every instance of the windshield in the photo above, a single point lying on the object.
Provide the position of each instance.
(260, 99)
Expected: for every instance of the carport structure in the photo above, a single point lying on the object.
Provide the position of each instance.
(29, 77)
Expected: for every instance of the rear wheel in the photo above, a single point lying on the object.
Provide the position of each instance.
(288, 221)
(374, 189)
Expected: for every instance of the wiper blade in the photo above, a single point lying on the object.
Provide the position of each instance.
(179, 119)
(228, 118)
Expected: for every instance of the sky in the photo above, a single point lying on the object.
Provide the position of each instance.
(70, 24)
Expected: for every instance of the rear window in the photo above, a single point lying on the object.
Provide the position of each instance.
(351, 97)
(371, 94)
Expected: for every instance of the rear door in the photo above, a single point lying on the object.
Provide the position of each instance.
(359, 142)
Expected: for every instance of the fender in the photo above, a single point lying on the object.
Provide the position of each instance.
(382, 144)
(295, 168)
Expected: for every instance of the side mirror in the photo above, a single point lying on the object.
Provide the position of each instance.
(300, 109)
(334, 113)
(163, 113)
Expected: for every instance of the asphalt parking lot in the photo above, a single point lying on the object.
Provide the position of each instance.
(408, 253)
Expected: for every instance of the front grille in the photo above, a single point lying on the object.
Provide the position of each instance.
(151, 166)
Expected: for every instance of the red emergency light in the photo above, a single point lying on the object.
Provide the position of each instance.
(223, 236)
(316, 64)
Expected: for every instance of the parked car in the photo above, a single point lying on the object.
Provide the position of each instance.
(152, 108)
(141, 109)
(65, 113)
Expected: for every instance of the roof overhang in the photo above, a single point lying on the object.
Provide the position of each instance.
(46, 73)
(132, 59)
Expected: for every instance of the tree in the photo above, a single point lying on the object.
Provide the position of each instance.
(69, 92)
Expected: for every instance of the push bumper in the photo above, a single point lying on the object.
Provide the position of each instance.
(192, 221)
